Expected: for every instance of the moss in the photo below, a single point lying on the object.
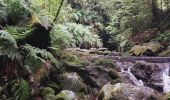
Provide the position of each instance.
(47, 90)
(54, 86)
(105, 62)
(167, 96)
(165, 53)
(70, 59)
(66, 95)
(50, 97)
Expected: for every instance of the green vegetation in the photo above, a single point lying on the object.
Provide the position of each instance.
(36, 35)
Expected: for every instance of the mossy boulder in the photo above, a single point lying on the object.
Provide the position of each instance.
(50, 97)
(122, 91)
(47, 90)
(71, 59)
(105, 62)
(72, 81)
(167, 96)
(66, 95)
(151, 48)
(165, 53)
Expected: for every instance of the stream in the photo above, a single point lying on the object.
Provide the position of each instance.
(154, 72)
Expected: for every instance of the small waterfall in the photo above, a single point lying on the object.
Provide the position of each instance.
(166, 79)
(160, 76)
(129, 74)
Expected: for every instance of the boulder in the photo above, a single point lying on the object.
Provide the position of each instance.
(66, 95)
(165, 53)
(47, 90)
(98, 76)
(149, 49)
(150, 74)
(72, 81)
(122, 91)
(167, 96)
(50, 97)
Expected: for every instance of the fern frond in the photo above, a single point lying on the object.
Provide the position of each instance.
(8, 45)
(72, 34)
(23, 91)
(36, 58)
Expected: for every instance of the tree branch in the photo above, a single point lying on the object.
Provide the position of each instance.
(58, 11)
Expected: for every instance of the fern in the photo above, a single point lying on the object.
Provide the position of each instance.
(8, 45)
(72, 34)
(23, 91)
(36, 58)
(17, 10)
(18, 32)
(2, 11)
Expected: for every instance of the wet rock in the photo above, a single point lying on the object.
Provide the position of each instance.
(142, 71)
(72, 81)
(150, 74)
(122, 91)
(66, 95)
(98, 76)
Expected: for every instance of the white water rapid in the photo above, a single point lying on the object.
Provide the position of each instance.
(160, 75)
(166, 79)
(129, 75)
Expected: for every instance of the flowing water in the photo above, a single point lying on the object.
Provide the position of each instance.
(126, 72)
(159, 77)
(166, 79)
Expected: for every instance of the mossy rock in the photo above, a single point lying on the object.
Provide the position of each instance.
(167, 96)
(73, 60)
(66, 95)
(47, 90)
(50, 97)
(105, 62)
(151, 48)
(124, 91)
(72, 81)
(54, 86)
(165, 53)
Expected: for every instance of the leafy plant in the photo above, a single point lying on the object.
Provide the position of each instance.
(8, 44)
(17, 10)
(23, 91)
(18, 32)
(71, 35)
(37, 58)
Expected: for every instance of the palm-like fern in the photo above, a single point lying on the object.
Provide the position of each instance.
(23, 91)
(72, 34)
(36, 58)
(18, 32)
(8, 45)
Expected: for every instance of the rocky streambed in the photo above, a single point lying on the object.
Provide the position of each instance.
(108, 76)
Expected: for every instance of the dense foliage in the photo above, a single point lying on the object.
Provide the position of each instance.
(34, 35)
